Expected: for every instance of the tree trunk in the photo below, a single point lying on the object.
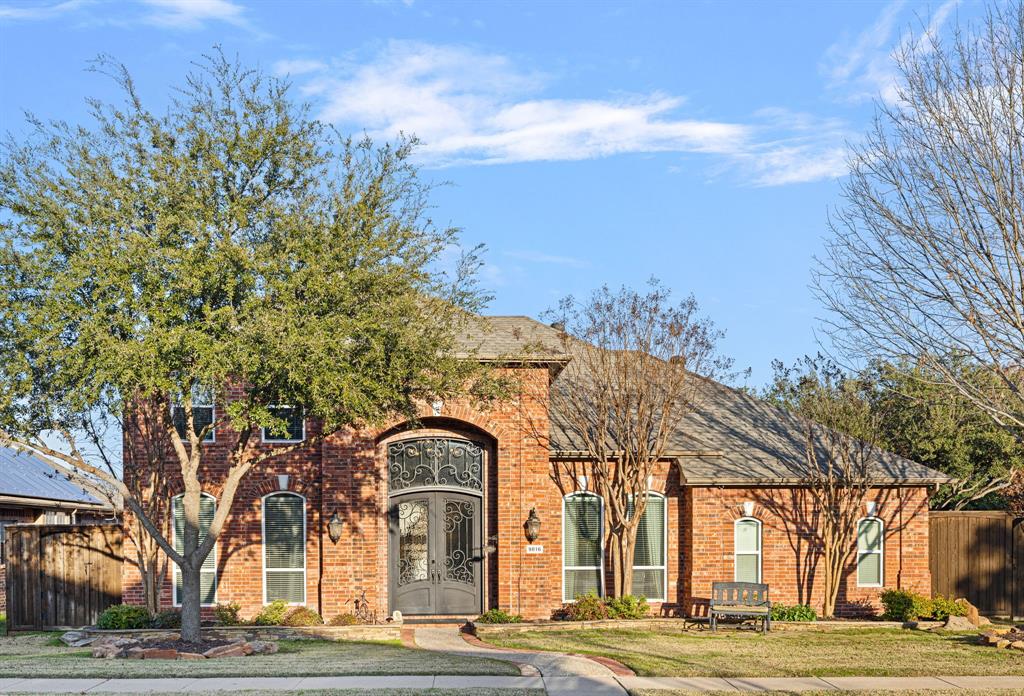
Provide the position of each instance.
(621, 546)
(190, 604)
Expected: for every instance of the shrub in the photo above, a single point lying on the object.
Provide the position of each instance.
(797, 612)
(124, 616)
(168, 618)
(272, 614)
(627, 607)
(302, 616)
(497, 616)
(227, 614)
(944, 607)
(343, 620)
(905, 605)
(587, 607)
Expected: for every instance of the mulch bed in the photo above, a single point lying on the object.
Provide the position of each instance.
(181, 646)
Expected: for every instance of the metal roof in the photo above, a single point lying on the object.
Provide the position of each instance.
(25, 475)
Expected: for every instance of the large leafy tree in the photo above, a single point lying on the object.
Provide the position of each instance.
(226, 243)
(920, 417)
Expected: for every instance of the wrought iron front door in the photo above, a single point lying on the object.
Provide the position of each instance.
(435, 553)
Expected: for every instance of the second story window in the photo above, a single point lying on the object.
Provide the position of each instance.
(203, 414)
(295, 425)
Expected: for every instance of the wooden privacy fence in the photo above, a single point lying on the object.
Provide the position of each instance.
(61, 576)
(979, 555)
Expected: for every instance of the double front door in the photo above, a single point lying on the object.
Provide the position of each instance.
(435, 553)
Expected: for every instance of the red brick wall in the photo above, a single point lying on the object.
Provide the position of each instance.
(520, 476)
(790, 550)
(353, 469)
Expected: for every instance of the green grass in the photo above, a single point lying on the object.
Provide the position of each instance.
(914, 692)
(729, 653)
(35, 656)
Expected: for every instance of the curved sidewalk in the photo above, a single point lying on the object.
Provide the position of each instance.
(562, 674)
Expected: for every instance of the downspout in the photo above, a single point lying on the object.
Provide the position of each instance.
(320, 539)
(899, 571)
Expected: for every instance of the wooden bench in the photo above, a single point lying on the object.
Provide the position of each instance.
(742, 599)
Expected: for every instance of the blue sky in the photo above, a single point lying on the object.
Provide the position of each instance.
(585, 143)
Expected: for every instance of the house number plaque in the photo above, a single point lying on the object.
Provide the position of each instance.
(534, 548)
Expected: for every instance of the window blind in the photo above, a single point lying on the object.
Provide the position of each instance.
(649, 552)
(284, 548)
(869, 552)
(208, 573)
(582, 547)
(748, 551)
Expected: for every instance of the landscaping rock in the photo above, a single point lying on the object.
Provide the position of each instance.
(263, 647)
(233, 650)
(984, 621)
(991, 638)
(972, 612)
(190, 656)
(160, 654)
(1000, 630)
(1003, 643)
(134, 653)
(958, 623)
(1017, 645)
(77, 639)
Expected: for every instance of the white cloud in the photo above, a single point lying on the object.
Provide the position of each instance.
(540, 257)
(298, 67)
(862, 68)
(37, 11)
(194, 14)
(472, 107)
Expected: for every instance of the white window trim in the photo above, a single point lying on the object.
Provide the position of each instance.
(176, 570)
(270, 440)
(600, 585)
(880, 552)
(664, 549)
(735, 547)
(263, 546)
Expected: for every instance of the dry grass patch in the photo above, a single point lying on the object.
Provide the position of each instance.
(40, 655)
(881, 652)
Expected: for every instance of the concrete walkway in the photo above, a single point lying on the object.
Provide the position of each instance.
(580, 685)
(562, 674)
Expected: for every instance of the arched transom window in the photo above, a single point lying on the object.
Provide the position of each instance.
(444, 462)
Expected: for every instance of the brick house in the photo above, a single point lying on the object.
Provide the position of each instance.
(429, 517)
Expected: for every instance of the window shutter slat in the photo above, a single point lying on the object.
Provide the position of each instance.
(284, 547)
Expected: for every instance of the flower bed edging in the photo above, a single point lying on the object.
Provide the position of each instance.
(679, 624)
(359, 632)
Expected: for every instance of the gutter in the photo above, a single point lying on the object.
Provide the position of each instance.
(50, 503)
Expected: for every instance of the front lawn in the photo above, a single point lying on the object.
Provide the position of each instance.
(39, 655)
(835, 653)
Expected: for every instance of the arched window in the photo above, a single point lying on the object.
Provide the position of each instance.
(870, 552)
(582, 547)
(650, 552)
(747, 549)
(208, 573)
(284, 548)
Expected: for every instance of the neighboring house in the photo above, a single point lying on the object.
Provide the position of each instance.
(429, 517)
(33, 492)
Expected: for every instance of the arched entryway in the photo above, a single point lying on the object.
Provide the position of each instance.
(435, 525)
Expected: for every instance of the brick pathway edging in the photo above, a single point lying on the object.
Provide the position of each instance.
(617, 668)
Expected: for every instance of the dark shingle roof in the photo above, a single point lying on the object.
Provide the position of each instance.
(512, 338)
(732, 438)
(25, 475)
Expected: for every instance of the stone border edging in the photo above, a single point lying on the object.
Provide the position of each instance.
(388, 631)
(616, 667)
(684, 624)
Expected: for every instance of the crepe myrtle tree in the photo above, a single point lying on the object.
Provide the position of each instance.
(639, 365)
(925, 264)
(227, 242)
(841, 432)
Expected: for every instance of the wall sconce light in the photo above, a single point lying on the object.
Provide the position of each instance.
(748, 508)
(335, 527)
(872, 508)
(532, 526)
(282, 482)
